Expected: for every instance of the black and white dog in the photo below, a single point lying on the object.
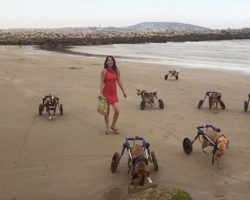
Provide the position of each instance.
(51, 102)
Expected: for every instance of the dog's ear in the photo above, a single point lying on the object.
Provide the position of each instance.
(227, 143)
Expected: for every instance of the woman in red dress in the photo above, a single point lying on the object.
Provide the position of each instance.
(109, 79)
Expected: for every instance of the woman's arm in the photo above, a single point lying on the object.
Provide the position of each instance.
(102, 82)
(120, 84)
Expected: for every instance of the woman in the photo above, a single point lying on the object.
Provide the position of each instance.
(109, 78)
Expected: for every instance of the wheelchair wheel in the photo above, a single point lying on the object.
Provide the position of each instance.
(40, 110)
(200, 103)
(166, 77)
(187, 146)
(143, 105)
(61, 109)
(115, 162)
(161, 103)
(222, 105)
(154, 160)
(245, 106)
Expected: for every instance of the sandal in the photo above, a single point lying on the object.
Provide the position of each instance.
(107, 132)
(115, 130)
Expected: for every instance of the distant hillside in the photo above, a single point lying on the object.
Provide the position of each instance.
(143, 27)
(165, 26)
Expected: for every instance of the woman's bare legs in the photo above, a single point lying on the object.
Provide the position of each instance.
(106, 118)
(116, 115)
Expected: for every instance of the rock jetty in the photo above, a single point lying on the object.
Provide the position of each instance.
(53, 38)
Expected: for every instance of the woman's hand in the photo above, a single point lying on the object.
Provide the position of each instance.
(101, 92)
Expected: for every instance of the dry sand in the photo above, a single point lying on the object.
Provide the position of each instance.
(69, 157)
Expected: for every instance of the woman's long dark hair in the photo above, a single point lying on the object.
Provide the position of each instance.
(114, 65)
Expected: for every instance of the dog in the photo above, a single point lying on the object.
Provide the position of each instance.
(172, 73)
(51, 103)
(214, 100)
(220, 143)
(139, 165)
(149, 97)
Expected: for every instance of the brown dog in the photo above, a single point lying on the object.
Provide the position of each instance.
(139, 165)
(214, 100)
(220, 142)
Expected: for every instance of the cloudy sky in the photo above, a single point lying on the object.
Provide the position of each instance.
(80, 13)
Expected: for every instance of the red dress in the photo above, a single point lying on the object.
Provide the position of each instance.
(109, 90)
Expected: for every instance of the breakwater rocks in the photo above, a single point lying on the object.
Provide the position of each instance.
(101, 38)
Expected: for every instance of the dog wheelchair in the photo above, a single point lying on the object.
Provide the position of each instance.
(246, 103)
(149, 155)
(172, 73)
(211, 96)
(188, 144)
(50, 103)
(149, 99)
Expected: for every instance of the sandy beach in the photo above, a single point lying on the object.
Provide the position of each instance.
(69, 157)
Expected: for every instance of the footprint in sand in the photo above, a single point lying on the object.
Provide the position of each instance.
(220, 196)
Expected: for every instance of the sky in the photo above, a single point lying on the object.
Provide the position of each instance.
(217, 14)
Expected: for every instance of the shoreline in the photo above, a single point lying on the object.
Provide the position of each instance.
(67, 50)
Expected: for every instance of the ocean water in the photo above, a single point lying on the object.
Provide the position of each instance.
(225, 55)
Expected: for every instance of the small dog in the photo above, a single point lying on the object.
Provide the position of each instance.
(220, 143)
(51, 103)
(214, 100)
(149, 97)
(172, 73)
(139, 165)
